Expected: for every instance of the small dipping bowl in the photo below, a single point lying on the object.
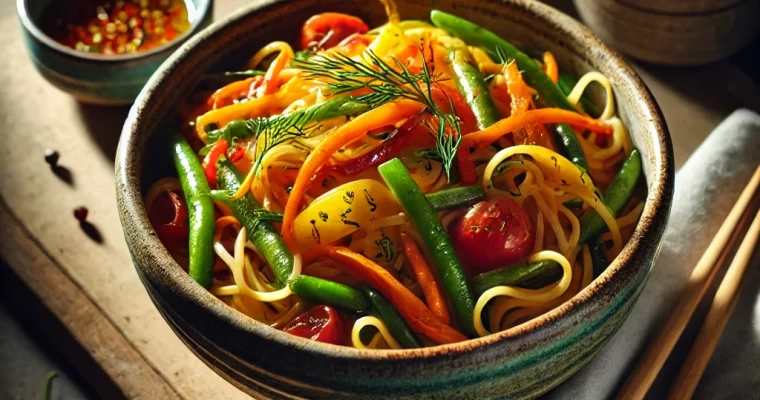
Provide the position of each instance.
(98, 78)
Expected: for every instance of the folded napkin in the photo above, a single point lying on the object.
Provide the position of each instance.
(706, 188)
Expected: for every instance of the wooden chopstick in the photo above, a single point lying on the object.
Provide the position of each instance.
(649, 366)
(721, 309)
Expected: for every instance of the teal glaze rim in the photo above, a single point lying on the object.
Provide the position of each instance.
(31, 26)
(650, 228)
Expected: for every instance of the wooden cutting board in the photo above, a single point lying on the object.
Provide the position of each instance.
(85, 295)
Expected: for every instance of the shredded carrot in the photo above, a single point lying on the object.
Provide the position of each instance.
(419, 318)
(522, 101)
(519, 91)
(426, 279)
(550, 67)
(489, 135)
(384, 115)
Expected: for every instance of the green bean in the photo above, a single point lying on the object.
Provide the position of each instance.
(463, 196)
(391, 318)
(261, 232)
(615, 198)
(598, 258)
(434, 235)
(335, 107)
(470, 84)
(566, 84)
(516, 275)
(320, 291)
(548, 92)
(200, 209)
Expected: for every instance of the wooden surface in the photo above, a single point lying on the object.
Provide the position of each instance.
(102, 285)
(33, 282)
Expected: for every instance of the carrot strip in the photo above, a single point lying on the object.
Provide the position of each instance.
(386, 114)
(426, 279)
(520, 93)
(419, 318)
(550, 67)
(489, 135)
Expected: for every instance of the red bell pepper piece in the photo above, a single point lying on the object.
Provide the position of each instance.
(397, 141)
(219, 148)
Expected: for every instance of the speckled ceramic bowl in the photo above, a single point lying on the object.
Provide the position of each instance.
(518, 363)
(95, 78)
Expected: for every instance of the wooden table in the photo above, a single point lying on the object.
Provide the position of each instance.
(85, 295)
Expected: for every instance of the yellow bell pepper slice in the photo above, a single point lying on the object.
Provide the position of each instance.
(342, 211)
(554, 166)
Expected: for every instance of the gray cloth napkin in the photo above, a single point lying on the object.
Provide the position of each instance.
(706, 188)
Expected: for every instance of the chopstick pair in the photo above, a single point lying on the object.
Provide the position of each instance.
(721, 308)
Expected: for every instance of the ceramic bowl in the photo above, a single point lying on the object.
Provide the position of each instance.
(95, 78)
(522, 362)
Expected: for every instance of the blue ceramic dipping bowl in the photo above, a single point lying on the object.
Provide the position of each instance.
(96, 78)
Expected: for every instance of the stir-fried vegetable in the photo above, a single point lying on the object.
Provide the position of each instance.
(260, 231)
(433, 296)
(411, 308)
(615, 198)
(434, 235)
(457, 197)
(359, 126)
(492, 234)
(548, 92)
(320, 291)
(393, 321)
(515, 275)
(349, 144)
(342, 211)
(201, 210)
(320, 324)
(470, 84)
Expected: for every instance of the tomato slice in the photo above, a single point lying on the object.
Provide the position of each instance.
(327, 30)
(321, 324)
(492, 234)
(169, 218)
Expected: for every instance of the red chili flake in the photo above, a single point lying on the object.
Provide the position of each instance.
(80, 213)
(98, 26)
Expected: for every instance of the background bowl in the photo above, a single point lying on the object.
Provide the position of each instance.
(676, 33)
(95, 78)
(522, 362)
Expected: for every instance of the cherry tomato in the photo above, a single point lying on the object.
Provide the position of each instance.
(321, 324)
(168, 215)
(326, 30)
(492, 234)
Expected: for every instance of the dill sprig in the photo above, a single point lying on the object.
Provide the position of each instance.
(387, 83)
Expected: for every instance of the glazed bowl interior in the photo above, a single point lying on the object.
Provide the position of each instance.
(215, 331)
(31, 13)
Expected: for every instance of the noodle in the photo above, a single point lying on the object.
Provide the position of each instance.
(372, 321)
(308, 140)
(538, 295)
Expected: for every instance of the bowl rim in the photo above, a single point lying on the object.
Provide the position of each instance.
(32, 27)
(651, 222)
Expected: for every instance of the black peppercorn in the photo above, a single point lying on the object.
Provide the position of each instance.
(51, 157)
